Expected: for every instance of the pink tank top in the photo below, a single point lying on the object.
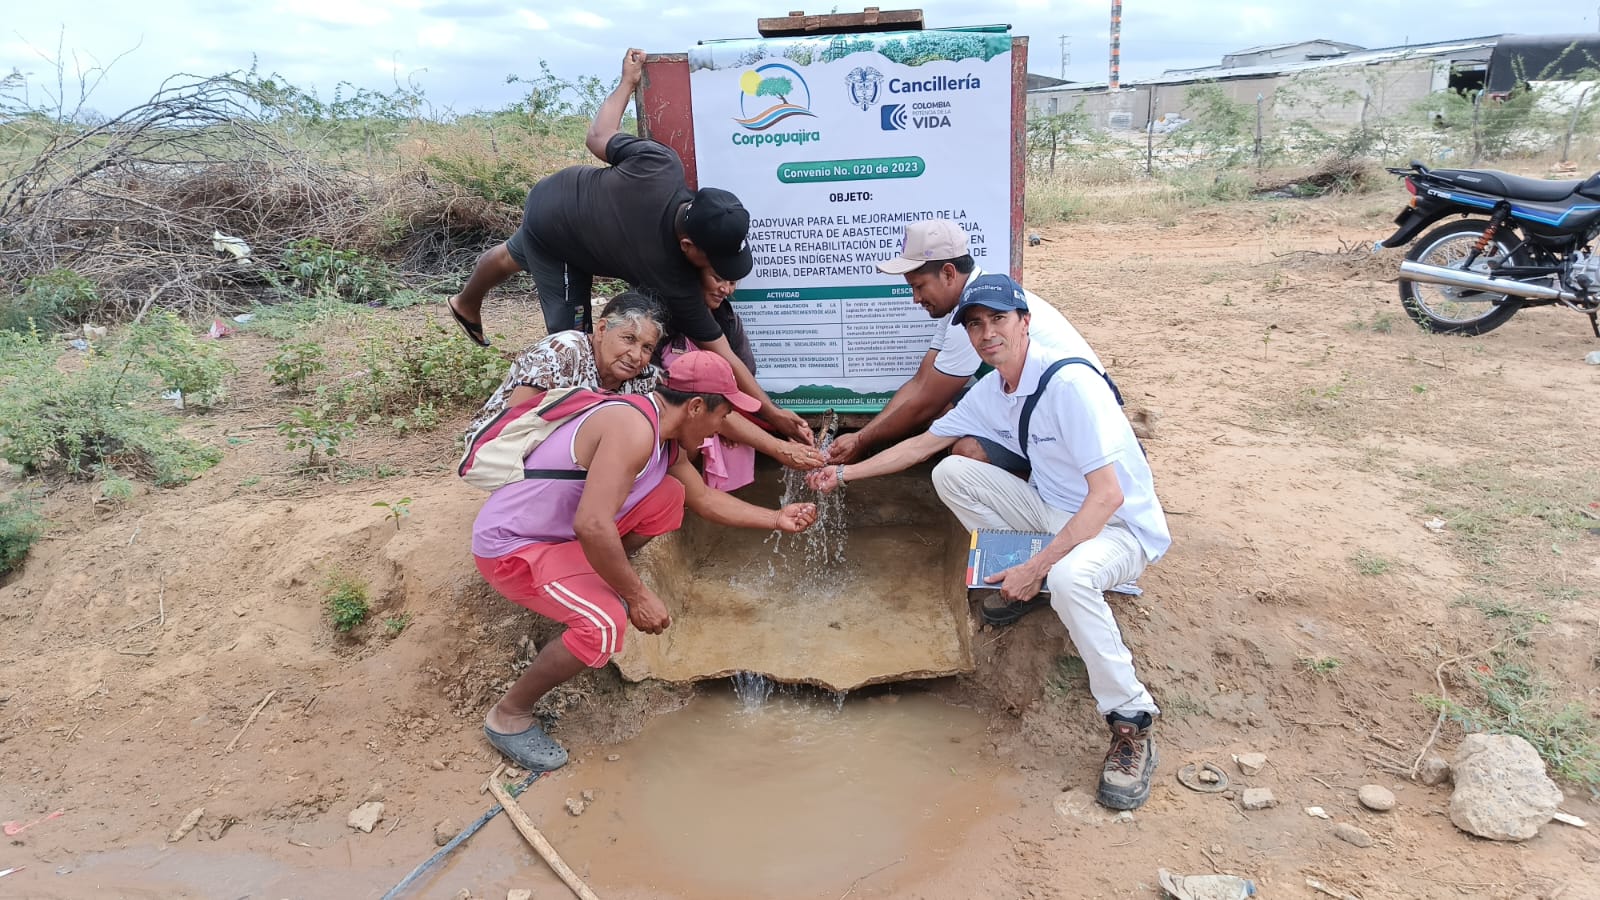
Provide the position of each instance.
(539, 510)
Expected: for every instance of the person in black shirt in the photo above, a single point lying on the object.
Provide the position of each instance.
(634, 219)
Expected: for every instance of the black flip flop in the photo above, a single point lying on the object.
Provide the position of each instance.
(474, 330)
(1011, 612)
(532, 749)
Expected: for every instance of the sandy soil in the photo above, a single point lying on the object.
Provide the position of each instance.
(1306, 432)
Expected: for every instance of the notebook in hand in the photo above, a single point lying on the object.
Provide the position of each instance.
(996, 551)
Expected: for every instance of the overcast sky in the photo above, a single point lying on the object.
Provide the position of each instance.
(460, 51)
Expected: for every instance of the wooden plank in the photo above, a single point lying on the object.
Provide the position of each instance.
(798, 24)
(664, 109)
(1019, 149)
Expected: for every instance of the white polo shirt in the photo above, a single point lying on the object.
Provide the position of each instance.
(1076, 428)
(1046, 326)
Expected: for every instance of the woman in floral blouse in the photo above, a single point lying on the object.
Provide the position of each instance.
(617, 358)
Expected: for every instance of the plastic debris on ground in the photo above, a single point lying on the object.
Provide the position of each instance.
(219, 330)
(1206, 887)
(230, 245)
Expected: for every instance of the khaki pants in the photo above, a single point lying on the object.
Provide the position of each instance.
(985, 496)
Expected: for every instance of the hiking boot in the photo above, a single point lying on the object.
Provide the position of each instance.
(997, 611)
(1125, 777)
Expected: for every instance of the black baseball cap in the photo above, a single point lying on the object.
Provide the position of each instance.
(718, 223)
(996, 292)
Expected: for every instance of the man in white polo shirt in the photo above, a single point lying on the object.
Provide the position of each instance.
(935, 261)
(1090, 486)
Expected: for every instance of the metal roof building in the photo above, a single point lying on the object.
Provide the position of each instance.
(1311, 80)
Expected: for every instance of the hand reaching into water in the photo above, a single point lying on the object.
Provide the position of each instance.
(796, 517)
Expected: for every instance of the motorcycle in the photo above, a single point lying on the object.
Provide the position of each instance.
(1533, 249)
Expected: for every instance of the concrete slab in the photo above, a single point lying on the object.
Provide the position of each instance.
(894, 609)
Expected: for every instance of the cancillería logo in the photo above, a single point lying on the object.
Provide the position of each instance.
(864, 84)
(770, 93)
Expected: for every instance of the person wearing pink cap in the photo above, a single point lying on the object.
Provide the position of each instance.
(936, 262)
(560, 546)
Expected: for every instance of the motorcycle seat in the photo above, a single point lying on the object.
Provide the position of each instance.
(1512, 187)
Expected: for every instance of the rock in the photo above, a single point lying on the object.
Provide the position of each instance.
(186, 826)
(1317, 811)
(1434, 771)
(1592, 357)
(1350, 834)
(1143, 422)
(1258, 798)
(1122, 818)
(1079, 806)
(437, 765)
(1376, 797)
(1207, 776)
(1502, 792)
(576, 807)
(588, 796)
(365, 816)
(512, 773)
(445, 831)
(374, 793)
(613, 757)
(463, 894)
(1228, 795)
(519, 895)
(1250, 763)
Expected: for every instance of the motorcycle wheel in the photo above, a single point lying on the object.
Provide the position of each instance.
(1452, 310)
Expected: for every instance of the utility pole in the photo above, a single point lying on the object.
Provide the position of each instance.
(1066, 54)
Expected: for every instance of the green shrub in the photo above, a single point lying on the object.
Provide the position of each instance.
(20, 526)
(410, 378)
(347, 602)
(295, 364)
(315, 269)
(166, 348)
(50, 302)
(282, 321)
(311, 430)
(82, 421)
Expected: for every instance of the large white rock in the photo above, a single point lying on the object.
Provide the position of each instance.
(366, 816)
(1501, 790)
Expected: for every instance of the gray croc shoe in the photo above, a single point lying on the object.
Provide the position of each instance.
(532, 749)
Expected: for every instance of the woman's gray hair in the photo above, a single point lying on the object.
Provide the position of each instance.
(634, 308)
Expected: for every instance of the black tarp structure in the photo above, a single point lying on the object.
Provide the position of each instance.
(1519, 58)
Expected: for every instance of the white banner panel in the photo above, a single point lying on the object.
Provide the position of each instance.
(834, 144)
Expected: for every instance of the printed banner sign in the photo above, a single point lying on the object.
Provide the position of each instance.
(834, 144)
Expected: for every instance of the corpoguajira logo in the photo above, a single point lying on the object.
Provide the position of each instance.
(864, 83)
(790, 96)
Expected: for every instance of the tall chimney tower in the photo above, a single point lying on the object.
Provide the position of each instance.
(1116, 43)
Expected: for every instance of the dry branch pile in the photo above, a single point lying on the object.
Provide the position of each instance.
(132, 203)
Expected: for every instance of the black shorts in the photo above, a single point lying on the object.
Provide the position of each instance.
(564, 292)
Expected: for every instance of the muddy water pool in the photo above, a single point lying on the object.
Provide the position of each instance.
(796, 799)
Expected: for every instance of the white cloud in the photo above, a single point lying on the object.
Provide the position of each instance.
(438, 34)
(534, 20)
(585, 19)
(344, 12)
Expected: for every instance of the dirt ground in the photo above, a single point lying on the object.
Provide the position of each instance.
(1307, 433)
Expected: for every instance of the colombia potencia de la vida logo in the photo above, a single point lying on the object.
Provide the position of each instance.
(770, 93)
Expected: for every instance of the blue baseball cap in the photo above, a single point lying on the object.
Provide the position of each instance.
(996, 292)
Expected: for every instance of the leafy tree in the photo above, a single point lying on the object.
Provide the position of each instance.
(776, 87)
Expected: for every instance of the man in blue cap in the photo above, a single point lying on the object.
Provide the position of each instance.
(1090, 486)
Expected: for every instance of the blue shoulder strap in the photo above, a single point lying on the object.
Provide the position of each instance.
(1044, 382)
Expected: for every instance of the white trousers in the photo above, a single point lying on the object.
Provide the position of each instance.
(985, 496)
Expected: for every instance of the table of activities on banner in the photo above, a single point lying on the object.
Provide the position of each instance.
(833, 332)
